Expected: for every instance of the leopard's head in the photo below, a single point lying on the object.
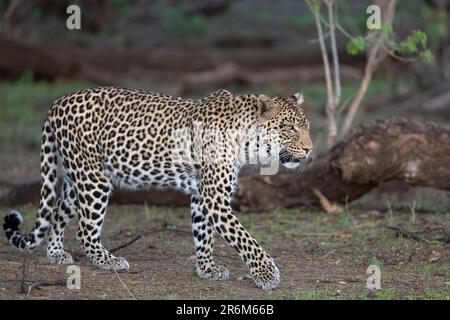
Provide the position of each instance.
(285, 122)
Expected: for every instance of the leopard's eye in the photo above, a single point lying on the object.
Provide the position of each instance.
(289, 126)
(294, 127)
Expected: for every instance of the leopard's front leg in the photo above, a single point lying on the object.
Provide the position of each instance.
(215, 191)
(203, 234)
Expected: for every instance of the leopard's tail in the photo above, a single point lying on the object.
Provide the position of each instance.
(49, 169)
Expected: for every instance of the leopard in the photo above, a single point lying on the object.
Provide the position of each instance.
(100, 139)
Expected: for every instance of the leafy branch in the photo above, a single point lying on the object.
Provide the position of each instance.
(378, 44)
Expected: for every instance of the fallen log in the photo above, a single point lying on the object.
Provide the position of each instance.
(230, 73)
(394, 149)
(51, 60)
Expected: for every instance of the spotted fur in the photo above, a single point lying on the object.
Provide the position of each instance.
(112, 137)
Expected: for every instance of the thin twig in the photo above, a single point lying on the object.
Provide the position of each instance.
(402, 231)
(123, 283)
(337, 76)
(326, 35)
(26, 254)
(16, 280)
(376, 55)
(396, 56)
(126, 244)
(331, 121)
(36, 284)
(166, 228)
(343, 31)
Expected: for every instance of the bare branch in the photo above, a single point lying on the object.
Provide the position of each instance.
(337, 76)
(356, 103)
(376, 55)
(330, 110)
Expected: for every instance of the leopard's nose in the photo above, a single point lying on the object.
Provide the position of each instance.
(307, 150)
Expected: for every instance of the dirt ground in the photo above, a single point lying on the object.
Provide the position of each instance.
(321, 256)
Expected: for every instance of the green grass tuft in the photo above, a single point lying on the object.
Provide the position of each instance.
(24, 104)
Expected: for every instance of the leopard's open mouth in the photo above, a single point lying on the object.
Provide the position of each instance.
(286, 157)
(292, 162)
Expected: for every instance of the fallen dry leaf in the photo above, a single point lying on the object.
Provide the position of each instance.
(344, 234)
(434, 256)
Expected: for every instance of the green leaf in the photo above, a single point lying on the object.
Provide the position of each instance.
(426, 56)
(355, 45)
(411, 46)
(420, 37)
(387, 30)
(374, 261)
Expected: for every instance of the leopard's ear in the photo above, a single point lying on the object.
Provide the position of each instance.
(299, 97)
(267, 107)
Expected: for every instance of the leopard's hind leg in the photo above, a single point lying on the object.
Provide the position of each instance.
(93, 190)
(65, 210)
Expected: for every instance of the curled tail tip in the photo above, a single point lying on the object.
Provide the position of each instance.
(11, 227)
(12, 220)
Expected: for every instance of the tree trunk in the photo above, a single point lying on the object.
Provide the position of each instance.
(414, 152)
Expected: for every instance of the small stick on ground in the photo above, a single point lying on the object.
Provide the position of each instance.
(126, 244)
(24, 270)
(36, 284)
(165, 228)
(26, 285)
(402, 231)
(123, 284)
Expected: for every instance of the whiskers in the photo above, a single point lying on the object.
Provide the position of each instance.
(303, 164)
(306, 163)
(284, 156)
